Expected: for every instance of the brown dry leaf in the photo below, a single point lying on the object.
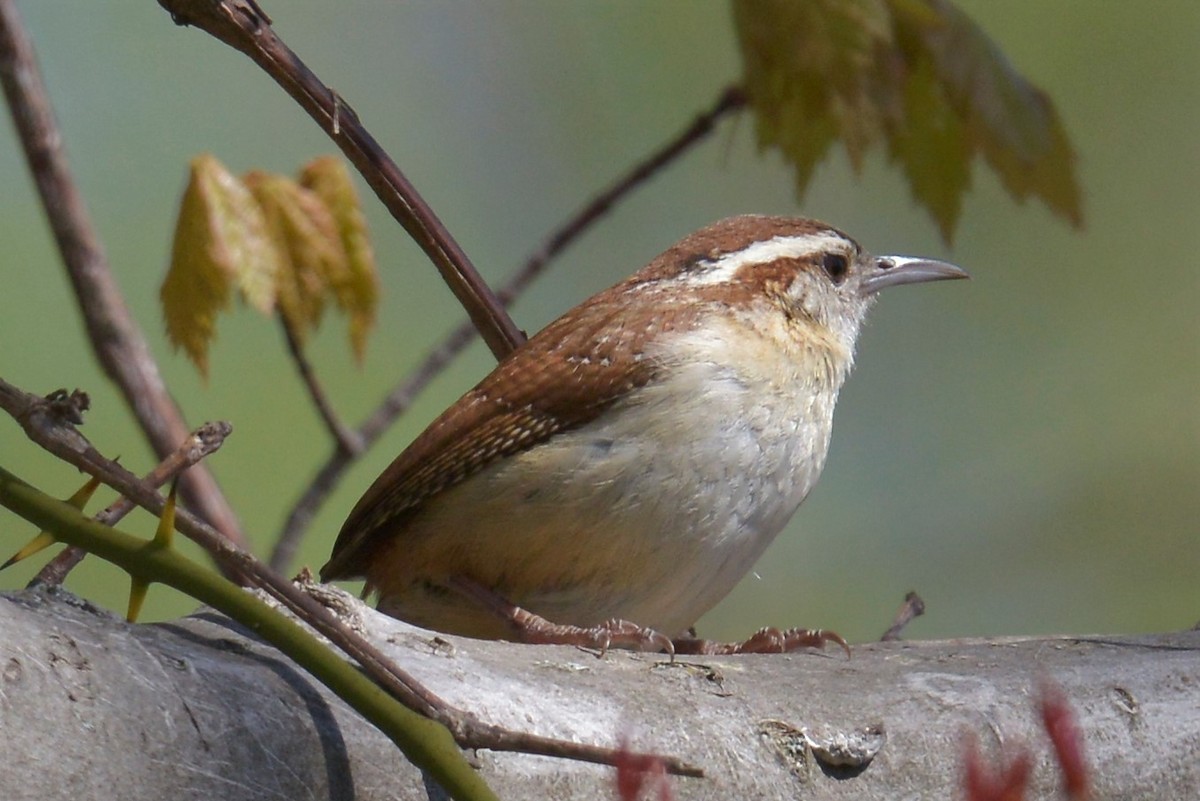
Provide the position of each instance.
(356, 290)
(310, 250)
(220, 244)
(918, 75)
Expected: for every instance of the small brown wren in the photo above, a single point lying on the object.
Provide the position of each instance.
(614, 477)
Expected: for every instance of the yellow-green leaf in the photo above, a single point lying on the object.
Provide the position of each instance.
(1009, 120)
(220, 244)
(310, 249)
(808, 76)
(932, 149)
(284, 247)
(918, 75)
(357, 290)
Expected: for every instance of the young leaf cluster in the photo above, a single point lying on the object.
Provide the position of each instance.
(284, 246)
(917, 75)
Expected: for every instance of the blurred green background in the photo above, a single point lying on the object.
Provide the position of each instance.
(1023, 450)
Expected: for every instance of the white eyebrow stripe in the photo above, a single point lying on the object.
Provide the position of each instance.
(725, 268)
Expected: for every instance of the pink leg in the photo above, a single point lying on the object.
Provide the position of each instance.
(764, 641)
(533, 629)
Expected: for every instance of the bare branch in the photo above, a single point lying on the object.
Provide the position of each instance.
(348, 441)
(888, 724)
(205, 440)
(912, 608)
(49, 423)
(401, 397)
(330, 473)
(115, 337)
(731, 100)
(243, 26)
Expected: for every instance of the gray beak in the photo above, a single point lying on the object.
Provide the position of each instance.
(896, 270)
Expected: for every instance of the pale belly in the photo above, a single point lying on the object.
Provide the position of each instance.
(651, 513)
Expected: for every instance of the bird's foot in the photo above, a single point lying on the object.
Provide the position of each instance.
(612, 633)
(534, 629)
(768, 640)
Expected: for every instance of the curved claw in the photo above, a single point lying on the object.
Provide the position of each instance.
(768, 640)
(813, 638)
(528, 627)
(613, 633)
(625, 634)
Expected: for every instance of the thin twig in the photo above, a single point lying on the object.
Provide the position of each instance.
(115, 337)
(402, 395)
(347, 439)
(913, 607)
(331, 472)
(203, 441)
(244, 27)
(731, 99)
(44, 422)
(428, 745)
(49, 422)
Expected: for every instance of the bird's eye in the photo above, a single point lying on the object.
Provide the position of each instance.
(836, 266)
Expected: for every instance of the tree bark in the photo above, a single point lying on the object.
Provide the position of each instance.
(94, 708)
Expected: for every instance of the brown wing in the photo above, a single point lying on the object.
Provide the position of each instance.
(559, 379)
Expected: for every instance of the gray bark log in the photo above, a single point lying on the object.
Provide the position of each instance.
(93, 708)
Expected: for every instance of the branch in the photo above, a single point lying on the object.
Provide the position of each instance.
(115, 337)
(205, 440)
(766, 727)
(731, 100)
(912, 608)
(401, 397)
(330, 473)
(348, 441)
(429, 746)
(242, 25)
(48, 422)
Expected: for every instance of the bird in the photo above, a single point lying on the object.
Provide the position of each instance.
(614, 476)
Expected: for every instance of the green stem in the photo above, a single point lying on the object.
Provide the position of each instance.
(428, 744)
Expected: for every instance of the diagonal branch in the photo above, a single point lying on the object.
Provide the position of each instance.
(200, 443)
(345, 438)
(50, 422)
(401, 397)
(428, 746)
(242, 25)
(912, 607)
(115, 337)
